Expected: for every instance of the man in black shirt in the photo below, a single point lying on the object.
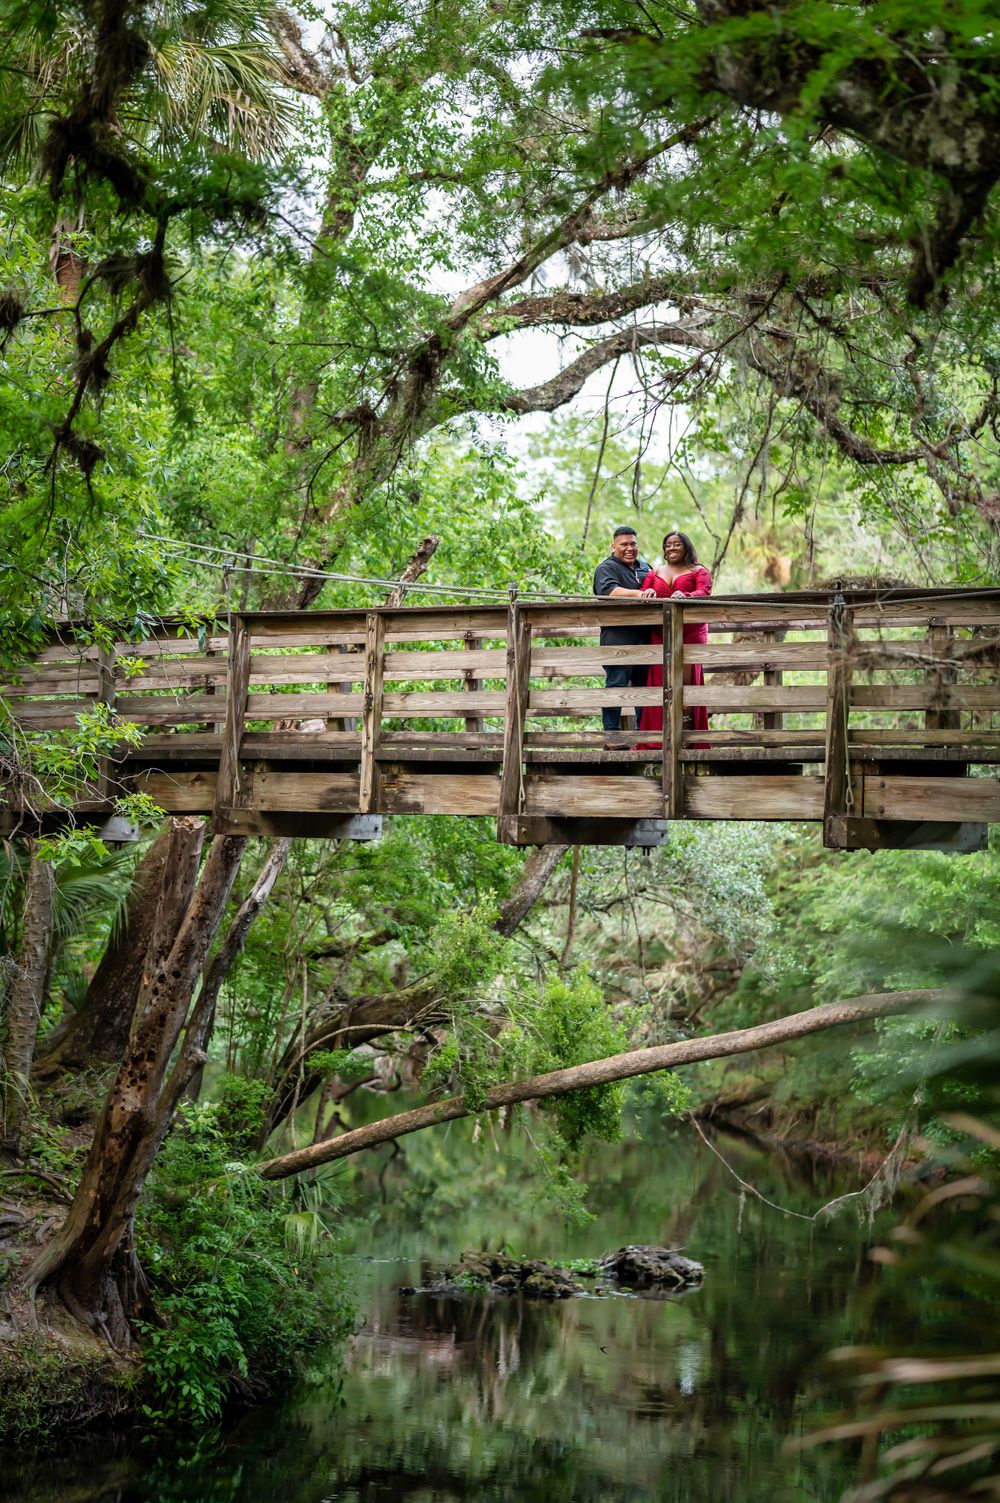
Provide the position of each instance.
(618, 578)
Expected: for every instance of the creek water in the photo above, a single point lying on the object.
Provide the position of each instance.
(613, 1399)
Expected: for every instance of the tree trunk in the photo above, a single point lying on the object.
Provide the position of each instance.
(605, 1071)
(226, 955)
(98, 1032)
(91, 1261)
(25, 1000)
(535, 875)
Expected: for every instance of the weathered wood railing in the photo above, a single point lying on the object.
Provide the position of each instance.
(867, 712)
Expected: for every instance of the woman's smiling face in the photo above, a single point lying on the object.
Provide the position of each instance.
(674, 550)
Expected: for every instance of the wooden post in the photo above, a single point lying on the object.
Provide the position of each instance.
(213, 727)
(473, 723)
(229, 786)
(771, 720)
(371, 714)
(943, 673)
(105, 696)
(516, 710)
(344, 722)
(838, 791)
(673, 709)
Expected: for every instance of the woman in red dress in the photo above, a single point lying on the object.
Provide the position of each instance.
(678, 577)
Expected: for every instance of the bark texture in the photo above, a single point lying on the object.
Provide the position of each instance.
(416, 565)
(25, 998)
(605, 1071)
(91, 1260)
(98, 1032)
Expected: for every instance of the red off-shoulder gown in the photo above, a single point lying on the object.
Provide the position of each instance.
(693, 582)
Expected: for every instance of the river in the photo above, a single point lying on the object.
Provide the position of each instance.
(614, 1399)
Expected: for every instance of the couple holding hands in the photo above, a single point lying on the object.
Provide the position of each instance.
(625, 576)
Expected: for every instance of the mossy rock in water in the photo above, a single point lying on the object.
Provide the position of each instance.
(634, 1267)
(650, 1267)
(495, 1273)
(532, 1277)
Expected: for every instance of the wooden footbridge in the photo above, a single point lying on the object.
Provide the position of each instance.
(875, 713)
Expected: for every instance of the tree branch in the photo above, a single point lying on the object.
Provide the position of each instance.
(563, 387)
(535, 875)
(606, 1071)
(419, 560)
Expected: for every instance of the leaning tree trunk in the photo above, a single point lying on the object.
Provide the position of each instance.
(613, 1068)
(90, 1261)
(98, 1032)
(25, 999)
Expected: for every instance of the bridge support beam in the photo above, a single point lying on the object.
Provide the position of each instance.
(539, 829)
(846, 833)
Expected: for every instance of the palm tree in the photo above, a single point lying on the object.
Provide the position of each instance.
(206, 73)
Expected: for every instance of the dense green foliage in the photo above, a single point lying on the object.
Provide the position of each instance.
(282, 295)
(245, 1279)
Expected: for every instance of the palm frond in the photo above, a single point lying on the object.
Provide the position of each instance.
(89, 893)
(229, 90)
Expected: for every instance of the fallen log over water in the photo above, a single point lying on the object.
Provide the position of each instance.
(605, 1071)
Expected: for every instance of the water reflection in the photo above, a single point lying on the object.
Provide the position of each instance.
(681, 1400)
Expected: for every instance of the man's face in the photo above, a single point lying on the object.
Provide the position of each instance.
(625, 547)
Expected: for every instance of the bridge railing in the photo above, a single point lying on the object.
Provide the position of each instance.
(816, 703)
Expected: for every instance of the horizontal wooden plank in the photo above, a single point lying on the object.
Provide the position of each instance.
(46, 714)
(331, 638)
(922, 697)
(757, 796)
(173, 673)
(304, 792)
(166, 709)
(759, 738)
(198, 745)
(738, 698)
(179, 792)
(401, 792)
(301, 627)
(932, 798)
(74, 681)
(706, 752)
(908, 736)
(589, 701)
(596, 795)
(948, 609)
(147, 647)
(801, 656)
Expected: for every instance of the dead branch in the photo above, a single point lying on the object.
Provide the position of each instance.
(605, 1071)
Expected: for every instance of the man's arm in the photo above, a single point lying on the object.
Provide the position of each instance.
(606, 589)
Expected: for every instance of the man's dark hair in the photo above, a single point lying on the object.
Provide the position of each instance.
(690, 557)
(620, 532)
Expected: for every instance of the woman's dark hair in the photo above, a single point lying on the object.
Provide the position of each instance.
(690, 557)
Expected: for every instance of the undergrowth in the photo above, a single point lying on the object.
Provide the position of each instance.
(245, 1273)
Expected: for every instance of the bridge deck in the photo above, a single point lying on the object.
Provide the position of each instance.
(876, 714)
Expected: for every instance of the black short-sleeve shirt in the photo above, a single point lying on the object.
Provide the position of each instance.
(611, 575)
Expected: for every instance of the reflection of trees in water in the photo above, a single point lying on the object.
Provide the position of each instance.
(617, 1400)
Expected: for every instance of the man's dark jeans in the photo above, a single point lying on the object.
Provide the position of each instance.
(624, 677)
